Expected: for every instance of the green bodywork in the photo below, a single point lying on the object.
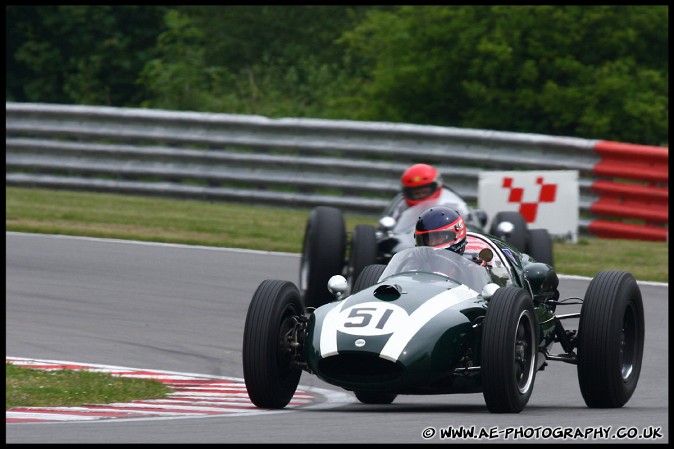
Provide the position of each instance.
(441, 356)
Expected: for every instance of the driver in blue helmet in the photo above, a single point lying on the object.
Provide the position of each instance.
(441, 227)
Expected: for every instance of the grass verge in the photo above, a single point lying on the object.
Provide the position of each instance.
(29, 387)
(264, 228)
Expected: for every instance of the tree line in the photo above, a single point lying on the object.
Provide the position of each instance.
(596, 72)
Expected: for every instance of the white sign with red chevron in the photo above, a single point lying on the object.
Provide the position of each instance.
(546, 199)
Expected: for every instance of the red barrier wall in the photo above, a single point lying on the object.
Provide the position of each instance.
(635, 191)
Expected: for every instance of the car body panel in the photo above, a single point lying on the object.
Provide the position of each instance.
(410, 332)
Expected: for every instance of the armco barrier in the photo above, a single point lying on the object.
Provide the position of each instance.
(638, 162)
(637, 190)
(308, 162)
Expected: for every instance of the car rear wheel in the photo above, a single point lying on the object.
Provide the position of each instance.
(539, 246)
(509, 350)
(375, 397)
(518, 236)
(363, 249)
(269, 372)
(611, 340)
(323, 254)
(368, 277)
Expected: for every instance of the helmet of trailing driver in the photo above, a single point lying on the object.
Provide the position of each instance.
(441, 227)
(421, 182)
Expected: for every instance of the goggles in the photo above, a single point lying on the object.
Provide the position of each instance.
(420, 192)
(436, 238)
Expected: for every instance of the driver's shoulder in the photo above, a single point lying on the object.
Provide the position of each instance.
(448, 196)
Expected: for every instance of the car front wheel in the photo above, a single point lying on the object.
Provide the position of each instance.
(611, 339)
(509, 350)
(269, 371)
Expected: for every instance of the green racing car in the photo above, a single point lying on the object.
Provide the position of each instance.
(435, 322)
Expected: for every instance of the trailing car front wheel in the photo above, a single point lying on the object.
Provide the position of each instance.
(323, 254)
(509, 350)
(363, 250)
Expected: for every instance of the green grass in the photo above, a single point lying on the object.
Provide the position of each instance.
(264, 228)
(28, 387)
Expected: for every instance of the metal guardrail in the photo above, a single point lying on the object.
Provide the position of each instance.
(288, 162)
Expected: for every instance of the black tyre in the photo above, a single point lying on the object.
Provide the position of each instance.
(372, 397)
(519, 236)
(509, 350)
(611, 340)
(539, 246)
(270, 375)
(368, 277)
(323, 254)
(363, 250)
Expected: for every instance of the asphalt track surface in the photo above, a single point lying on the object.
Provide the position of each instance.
(182, 309)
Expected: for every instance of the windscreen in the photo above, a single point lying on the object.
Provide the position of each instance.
(439, 261)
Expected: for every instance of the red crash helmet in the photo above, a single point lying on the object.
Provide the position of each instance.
(421, 182)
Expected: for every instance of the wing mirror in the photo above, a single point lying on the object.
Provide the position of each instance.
(337, 285)
(486, 254)
(489, 290)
